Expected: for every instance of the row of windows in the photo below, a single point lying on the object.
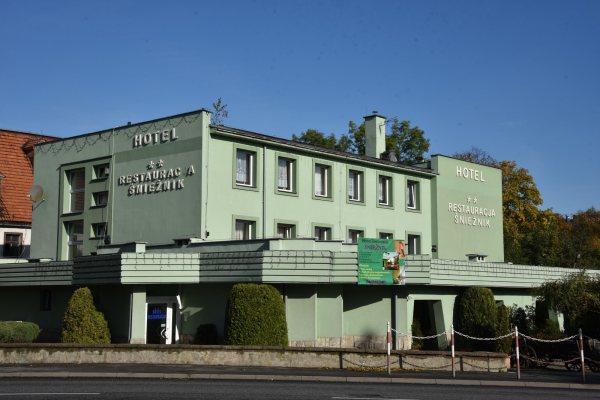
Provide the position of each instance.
(246, 230)
(245, 176)
(74, 231)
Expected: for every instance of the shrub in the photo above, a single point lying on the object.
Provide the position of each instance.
(255, 316)
(206, 334)
(475, 315)
(502, 328)
(82, 323)
(520, 319)
(18, 332)
(416, 331)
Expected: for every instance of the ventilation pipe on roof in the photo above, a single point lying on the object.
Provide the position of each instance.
(374, 135)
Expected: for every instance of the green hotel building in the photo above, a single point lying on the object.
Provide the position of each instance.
(160, 218)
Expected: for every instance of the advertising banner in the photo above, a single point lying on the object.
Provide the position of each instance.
(381, 262)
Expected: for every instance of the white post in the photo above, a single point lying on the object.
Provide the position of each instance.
(453, 354)
(517, 352)
(582, 356)
(389, 347)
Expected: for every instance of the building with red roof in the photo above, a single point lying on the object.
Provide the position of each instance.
(16, 178)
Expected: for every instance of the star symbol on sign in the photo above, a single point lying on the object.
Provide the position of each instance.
(151, 165)
(160, 163)
(475, 200)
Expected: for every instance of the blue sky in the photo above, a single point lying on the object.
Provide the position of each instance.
(519, 79)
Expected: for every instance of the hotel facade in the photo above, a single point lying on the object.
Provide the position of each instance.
(160, 218)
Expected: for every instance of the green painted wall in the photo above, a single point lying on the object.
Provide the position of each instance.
(367, 309)
(455, 232)
(301, 307)
(203, 304)
(330, 311)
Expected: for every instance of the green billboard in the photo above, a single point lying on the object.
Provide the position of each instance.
(381, 262)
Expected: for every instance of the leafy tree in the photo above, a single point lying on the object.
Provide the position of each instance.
(82, 323)
(577, 296)
(584, 243)
(407, 142)
(477, 155)
(318, 138)
(356, 135)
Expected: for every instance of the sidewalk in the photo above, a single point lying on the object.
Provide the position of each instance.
(529, 378)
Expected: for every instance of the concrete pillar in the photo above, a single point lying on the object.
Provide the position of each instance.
(137, 315)
(404, 317)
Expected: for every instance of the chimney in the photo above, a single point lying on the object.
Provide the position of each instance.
(374, 135)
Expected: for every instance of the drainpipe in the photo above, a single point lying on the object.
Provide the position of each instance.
(264, 192)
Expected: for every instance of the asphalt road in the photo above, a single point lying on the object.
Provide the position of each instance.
(88, 389)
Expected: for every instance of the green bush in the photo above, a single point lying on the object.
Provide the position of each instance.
(255, 316)
(520, 319)
(82, 323)
(475, 315)
(18, 332)
(206, 334)
(416, 331)
(502, 328)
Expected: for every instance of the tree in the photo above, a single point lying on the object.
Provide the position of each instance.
(476, 315)
(82, 323)
(407, 142)
(220, 112)
(584, 243)
(478, 156)
(319, 139)
(577, 296)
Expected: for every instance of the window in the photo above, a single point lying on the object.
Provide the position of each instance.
(285, 174)
(101, 171)
(99, 230)
(286, 231)
(322, 173)
(100, 198)
(386, 235)
(384, 190)
(414, 244)
(322, 233)
(354, 234)
(355, 185)
(75, 238)
(476, 257)
(244, 168)
(412, 195)
(45, 300)
(76, 180)
(244, 229)
(13, 245)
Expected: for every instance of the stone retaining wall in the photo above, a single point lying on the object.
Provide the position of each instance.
(249, 356)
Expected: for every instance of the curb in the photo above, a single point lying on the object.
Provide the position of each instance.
(302, 378)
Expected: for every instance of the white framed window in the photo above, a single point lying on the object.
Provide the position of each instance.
(412, 195)
(245, 229)
(355, 185)
(76, 181)
(322, 233)
(286, 231)
(386, 235)
(285, 174)
(99, 230)
(100, 198)
(384, 190)
(322, 180)
(244, 167)
(414, 244)
(74, 231)
(101, 171)
(13, 245)
(354, 234)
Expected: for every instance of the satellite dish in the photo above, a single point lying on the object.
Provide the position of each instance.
(36, 193)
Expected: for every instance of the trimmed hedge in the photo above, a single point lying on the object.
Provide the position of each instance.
(18, 332)
(475, 313)
(255, 316)
(503, 328)
(82, 323)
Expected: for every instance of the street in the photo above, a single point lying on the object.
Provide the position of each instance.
(213, 389)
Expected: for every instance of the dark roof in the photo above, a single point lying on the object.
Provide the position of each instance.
(311, 148)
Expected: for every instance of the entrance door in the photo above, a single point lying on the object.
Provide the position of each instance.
(158, 324)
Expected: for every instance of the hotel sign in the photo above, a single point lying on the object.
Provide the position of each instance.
(381, 262)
